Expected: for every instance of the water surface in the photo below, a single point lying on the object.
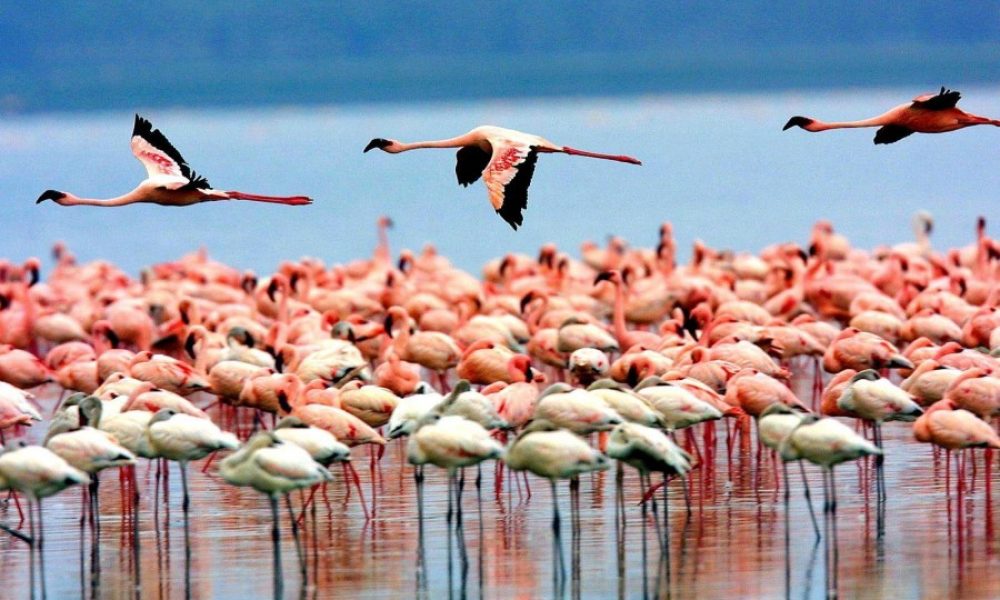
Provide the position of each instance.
(717, 165)
(933, 545)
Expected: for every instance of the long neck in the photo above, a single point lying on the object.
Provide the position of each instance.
(872, 122)
(455, 142)
(619, 313)
(72, 200)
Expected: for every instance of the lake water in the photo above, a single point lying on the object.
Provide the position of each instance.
(935, 544)
(718, 166)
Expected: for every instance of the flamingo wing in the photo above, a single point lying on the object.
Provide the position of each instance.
(943, 100)
(891, 133)
(471, 161)
(160, 158)
(507, 176)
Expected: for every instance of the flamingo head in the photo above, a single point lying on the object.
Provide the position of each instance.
(613, 276)
(54, 195)
(390, 146)
(797, 121)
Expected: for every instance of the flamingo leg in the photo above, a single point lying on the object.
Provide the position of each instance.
(31, 553)
(666, 533)
(357, 484)
(185, 506)
(833, 522)
(558, 571)
(276, 545)
(808, 495)
(41, 546)
(298, 541)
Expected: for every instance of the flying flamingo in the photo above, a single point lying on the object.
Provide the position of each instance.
(928, 113)
(503, 157)
(171, 181)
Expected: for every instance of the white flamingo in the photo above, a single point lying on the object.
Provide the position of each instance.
(171, 181)
(275, 468)
(38, 473)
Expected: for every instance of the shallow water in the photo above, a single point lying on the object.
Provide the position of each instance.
(733, 546)
(717, 165)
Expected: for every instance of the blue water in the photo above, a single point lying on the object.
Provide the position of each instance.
(718, 166)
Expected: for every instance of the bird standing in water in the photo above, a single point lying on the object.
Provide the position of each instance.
(504, 158)
(929, 113)
(171, 181)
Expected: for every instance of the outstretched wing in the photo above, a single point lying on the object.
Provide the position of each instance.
(507, 176)
(891, 133)
(943, 100)
(470, 163)
(159, 156)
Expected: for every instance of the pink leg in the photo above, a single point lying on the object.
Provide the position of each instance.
(361, 494)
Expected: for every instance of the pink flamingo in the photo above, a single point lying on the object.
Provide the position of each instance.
(928, 113)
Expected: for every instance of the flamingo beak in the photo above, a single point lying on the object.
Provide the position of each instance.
(379, 143)
(603, 276)
(802, 122)
(50, 195)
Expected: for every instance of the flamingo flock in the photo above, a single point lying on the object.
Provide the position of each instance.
(551, 365)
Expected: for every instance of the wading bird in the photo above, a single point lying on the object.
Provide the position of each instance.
(171, 181)
(928, 113)
(504, 158)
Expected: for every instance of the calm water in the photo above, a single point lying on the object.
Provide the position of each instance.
(934, 545)
(718, 166)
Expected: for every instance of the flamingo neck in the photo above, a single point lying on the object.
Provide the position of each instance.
(619, 313)
(823, 126)
(382, 251)
(455, 142)
(73, 200)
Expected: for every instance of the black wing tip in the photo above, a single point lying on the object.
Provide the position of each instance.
(514, 220)
(889, 134)
(516, 192)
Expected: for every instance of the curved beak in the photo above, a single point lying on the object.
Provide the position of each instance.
(379, 143)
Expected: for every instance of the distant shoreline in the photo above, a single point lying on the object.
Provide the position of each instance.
(434, 78)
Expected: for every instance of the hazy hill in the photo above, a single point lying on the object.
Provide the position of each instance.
(70, 55)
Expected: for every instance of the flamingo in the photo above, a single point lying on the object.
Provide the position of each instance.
(649, 450)
(576, 410)
(554, 453)
(91, 451)
(171, 181)
(826, 442)
(410, 411)
(504, 158)
(630, 405)
(450, 442)
(876, 399)
(38, 473)
(773, 426)
(948, 426)
(927, 113)
(274, 468)
(182, 438)
(588, 365)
